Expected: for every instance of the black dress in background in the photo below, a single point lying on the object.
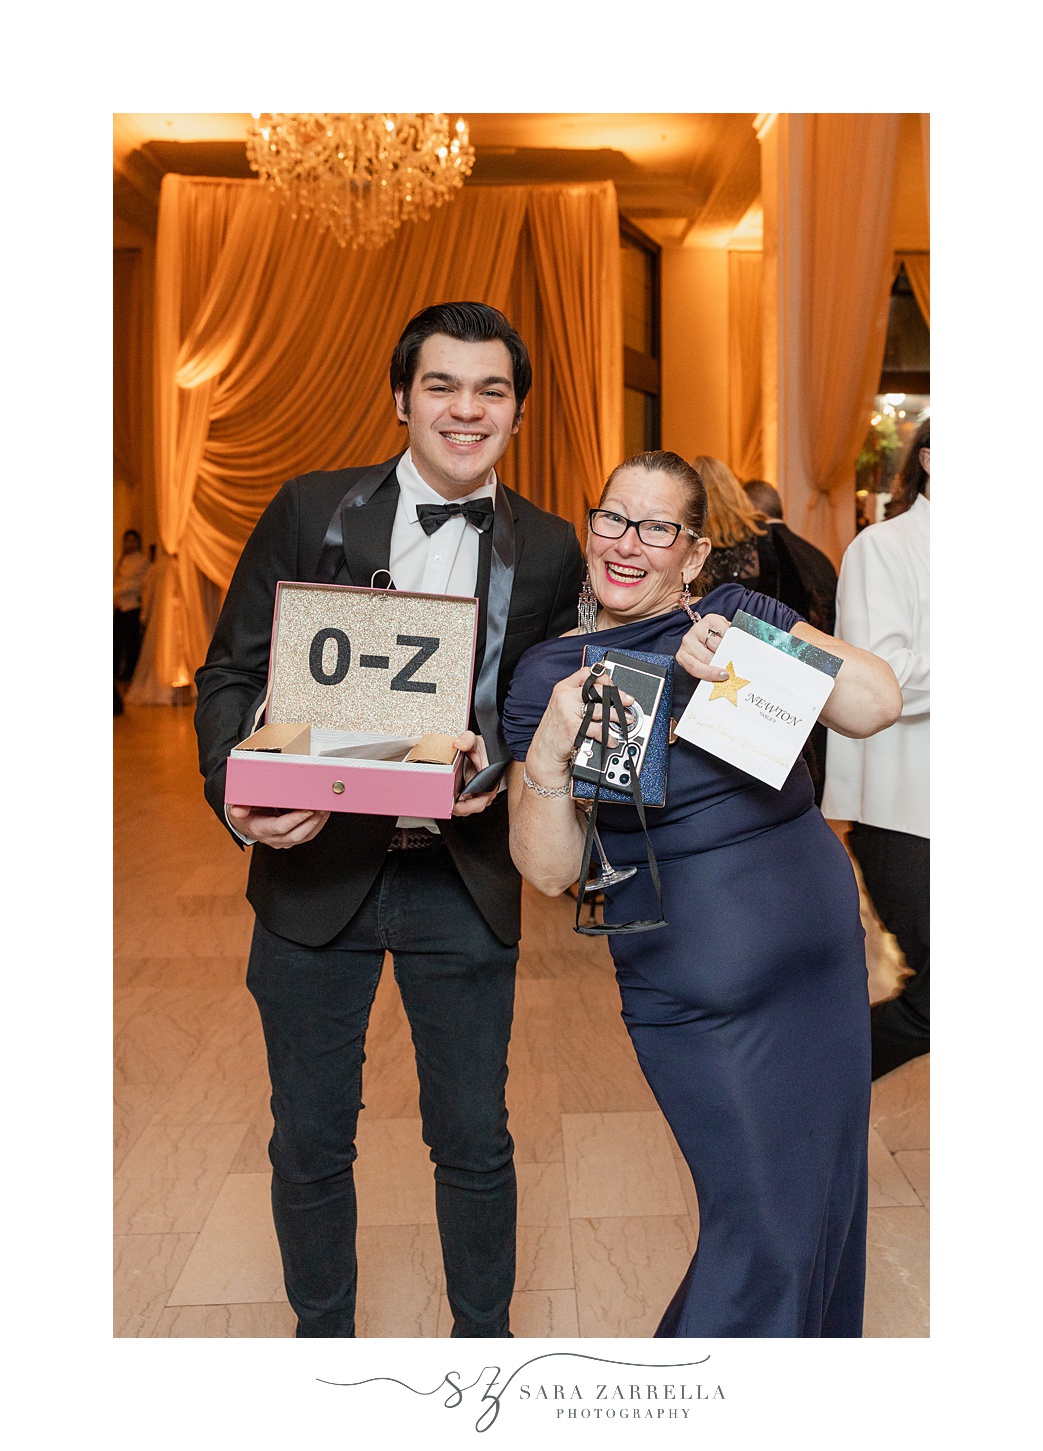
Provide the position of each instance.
(749, 1011)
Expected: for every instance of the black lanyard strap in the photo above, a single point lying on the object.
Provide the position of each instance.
(611, 703)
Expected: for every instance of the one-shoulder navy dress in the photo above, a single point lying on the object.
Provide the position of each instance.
(749, 1012)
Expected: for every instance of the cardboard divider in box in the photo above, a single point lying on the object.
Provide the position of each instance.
(367, 689)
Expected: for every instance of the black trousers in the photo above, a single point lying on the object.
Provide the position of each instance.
(126, 642)
(897, 872)
(457, 984)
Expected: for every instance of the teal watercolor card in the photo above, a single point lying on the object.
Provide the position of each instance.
(760, 716)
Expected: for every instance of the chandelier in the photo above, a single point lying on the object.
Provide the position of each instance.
(360, 177)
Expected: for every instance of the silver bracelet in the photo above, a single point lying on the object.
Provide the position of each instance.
(544, 790)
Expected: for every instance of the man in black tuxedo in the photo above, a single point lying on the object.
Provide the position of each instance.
(333, 892)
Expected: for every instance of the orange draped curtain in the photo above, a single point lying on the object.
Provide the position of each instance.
(273, 344)
(918, 271)
(745, 386)
(846, 275)
(566, 301)
(127, 305)
(126, 365)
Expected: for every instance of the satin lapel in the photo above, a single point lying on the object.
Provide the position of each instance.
(356, 546)
(481, 589)
(496, 568)
(367, 535)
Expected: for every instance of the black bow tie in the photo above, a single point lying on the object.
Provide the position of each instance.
(478, 512)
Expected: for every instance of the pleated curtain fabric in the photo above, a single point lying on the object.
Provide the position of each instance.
(745, 385)
(847, 264)
(126, 369)
(575, 240)
(272, 347)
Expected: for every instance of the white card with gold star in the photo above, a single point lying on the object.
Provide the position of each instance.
(759, 718)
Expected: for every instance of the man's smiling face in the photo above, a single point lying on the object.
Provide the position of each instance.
(461, 413)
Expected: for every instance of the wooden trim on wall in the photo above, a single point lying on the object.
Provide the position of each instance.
(640, 371)
(895, 382)
(641, 239)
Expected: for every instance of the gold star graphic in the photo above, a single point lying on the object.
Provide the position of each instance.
(729, 689)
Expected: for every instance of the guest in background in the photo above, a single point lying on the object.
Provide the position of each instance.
(801, 576)
(734, 527)
(791, 569)
(881, 784)
(126, 601)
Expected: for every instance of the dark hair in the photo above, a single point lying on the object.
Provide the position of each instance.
(764, 496)
(467, 322)
(662, 461)
(913, 478)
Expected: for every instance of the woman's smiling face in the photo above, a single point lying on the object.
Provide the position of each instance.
(633, 580)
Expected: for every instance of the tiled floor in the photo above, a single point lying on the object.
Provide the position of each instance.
(607, 1212)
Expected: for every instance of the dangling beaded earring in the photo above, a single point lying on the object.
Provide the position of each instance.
(686, 604)
(587, 608)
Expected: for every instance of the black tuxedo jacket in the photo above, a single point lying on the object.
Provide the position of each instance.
(308, 893)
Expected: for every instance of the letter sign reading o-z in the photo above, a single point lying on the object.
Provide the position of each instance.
(425, 646)
(422, 647)
(343, 657)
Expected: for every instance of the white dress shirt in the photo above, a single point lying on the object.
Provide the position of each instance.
(130, 573)
(445, 562)
(883, 605)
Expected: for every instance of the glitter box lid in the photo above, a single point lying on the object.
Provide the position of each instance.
(388, 661)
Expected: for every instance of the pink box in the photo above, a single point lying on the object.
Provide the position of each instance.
(362, 673)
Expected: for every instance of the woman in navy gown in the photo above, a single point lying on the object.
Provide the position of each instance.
(749, 1011)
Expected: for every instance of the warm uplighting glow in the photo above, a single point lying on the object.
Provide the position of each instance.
(361, 176)
(749, 232)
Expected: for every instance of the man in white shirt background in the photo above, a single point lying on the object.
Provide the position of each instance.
(333, 891)
(882, 785)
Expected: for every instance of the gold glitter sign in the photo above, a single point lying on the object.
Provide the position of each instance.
(383, 661)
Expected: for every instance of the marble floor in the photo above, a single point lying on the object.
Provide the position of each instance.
(608, 1217)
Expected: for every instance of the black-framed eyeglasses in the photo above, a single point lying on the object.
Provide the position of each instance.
(656, 533)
